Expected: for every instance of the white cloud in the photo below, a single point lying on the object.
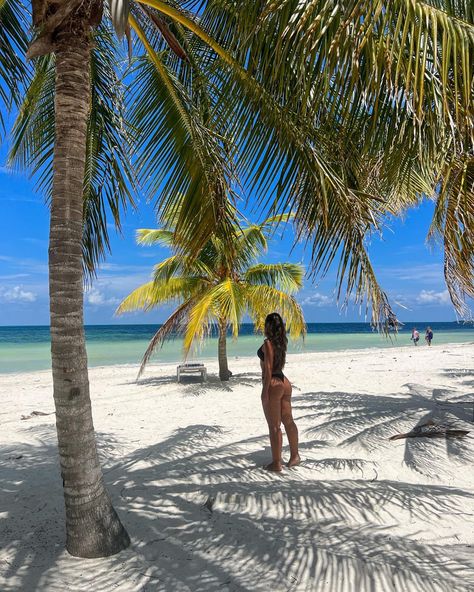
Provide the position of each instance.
(13, 276)
(33, 266)
(16, 294)
(432, 297)
(95, 297)
(430, 272)
(317, 299)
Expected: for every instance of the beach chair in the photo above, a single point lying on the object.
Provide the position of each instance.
(191, 368)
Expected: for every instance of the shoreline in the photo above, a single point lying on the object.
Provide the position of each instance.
(25, 350)
(239, 358)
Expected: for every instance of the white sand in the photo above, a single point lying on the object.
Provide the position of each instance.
(361, 514)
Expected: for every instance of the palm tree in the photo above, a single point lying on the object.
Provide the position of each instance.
(217, 287)
(74, 149)
(93, 527)
(76, 152)
(345, 112)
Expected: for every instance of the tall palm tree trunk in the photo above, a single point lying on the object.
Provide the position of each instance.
(224, 373)
(92, 525)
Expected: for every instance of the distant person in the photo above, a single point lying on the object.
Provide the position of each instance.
(415, 336)
(276, 392)
(429, 335)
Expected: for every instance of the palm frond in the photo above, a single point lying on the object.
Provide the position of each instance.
(252, 241)
(453, 226)
(199, 319)
(166, 268)
(152, 294)
(249, 244)
(230, 303)
(175, 323)
(223, 301)
(287, 277)
(179, 266)
(154, 236)
(181, 158)
(374, 100)
(33, 129)
(108, 176)
(14, 72)
(323, 53)
(263, 299)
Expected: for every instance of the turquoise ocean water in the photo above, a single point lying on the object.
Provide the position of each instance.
(24, 349)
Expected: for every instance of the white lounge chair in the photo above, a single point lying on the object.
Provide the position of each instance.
(191, 368)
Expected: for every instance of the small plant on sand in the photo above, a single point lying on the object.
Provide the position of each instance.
(217, 288)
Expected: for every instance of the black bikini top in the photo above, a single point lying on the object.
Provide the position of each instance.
(261, 355)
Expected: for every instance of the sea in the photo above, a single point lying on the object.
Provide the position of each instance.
(23, 349)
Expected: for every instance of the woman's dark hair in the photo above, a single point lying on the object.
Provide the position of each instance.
(276, 333)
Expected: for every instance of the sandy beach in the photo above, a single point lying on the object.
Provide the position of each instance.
(183, 466)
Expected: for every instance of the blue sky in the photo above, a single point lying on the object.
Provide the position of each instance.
(408, 269)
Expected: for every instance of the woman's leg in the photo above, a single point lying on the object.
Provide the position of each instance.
(290, 426)
(273, 416)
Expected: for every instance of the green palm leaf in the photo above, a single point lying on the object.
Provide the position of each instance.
(287, 277)
(13, 44)
(173, 325)
(108, 174)
(262, 299)
(377, 97)
(453, 226)
(181, 157)
(155, 236)
(154, 293)
(200, 318)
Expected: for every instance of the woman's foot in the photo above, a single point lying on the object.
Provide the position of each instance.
(274, 466)
(294, 461)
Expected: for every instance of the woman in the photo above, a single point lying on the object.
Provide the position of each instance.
(276, 392)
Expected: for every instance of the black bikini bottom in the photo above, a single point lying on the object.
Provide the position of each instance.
(279, 375)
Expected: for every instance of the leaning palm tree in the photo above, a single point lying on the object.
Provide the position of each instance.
(218, 287)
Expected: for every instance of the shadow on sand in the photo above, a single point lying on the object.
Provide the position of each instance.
(204, 517)
(195, 386)
(367, 422)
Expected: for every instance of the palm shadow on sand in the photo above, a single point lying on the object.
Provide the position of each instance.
(195, 386)
(204, 518)
(368, 421)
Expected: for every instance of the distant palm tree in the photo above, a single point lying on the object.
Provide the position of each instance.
(218, 287)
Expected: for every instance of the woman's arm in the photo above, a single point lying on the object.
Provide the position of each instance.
(267, 369)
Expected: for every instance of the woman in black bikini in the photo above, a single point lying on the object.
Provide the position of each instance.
(276, 392)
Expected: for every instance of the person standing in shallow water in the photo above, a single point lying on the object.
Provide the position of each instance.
(429, 335)
(276, 392)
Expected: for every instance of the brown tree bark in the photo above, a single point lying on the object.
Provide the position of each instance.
(92, 525)
(224, 372)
